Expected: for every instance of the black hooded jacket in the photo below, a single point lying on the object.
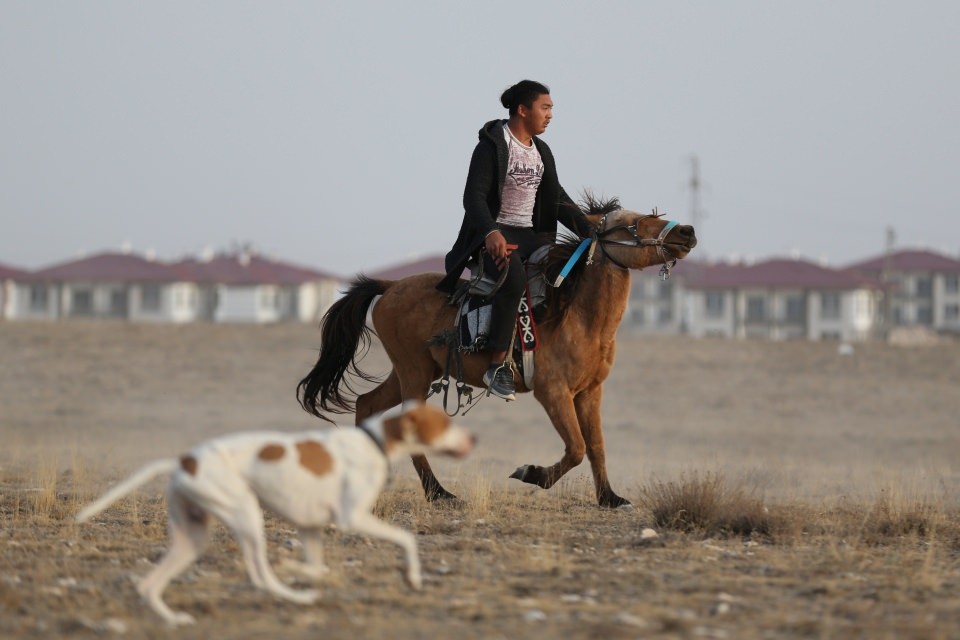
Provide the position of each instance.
(482, 194)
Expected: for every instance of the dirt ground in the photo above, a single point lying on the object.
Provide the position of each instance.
(815, 434)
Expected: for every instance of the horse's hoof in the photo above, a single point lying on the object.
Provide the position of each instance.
(521, 473)
(613, 501)
(442, 496)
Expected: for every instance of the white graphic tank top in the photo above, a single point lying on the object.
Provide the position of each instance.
(524, 172)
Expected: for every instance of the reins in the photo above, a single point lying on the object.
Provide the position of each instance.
(600, 238)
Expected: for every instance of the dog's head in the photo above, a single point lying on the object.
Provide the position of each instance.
(421, 428)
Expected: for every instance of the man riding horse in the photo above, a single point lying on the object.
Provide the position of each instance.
(512, 202)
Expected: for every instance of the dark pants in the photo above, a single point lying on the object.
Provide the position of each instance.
(507, 299)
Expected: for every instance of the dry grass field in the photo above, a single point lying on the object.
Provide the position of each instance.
(797, 493)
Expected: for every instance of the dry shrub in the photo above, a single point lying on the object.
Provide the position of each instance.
(894, 515)
(706, 505)
(43, 492)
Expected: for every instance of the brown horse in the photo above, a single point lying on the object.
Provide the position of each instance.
(577, 340)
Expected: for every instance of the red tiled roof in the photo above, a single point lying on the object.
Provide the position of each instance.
(8, 272)
(430, 264)
(775, 273)
(908, 260)
(112, 267)
(246, 269)
(224, 269)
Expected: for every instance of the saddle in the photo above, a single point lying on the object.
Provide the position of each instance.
(471, 328)
(475, 302)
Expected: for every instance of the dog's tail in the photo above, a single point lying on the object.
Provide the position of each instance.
(138, 479)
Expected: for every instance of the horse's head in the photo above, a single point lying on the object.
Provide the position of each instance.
(634, 240)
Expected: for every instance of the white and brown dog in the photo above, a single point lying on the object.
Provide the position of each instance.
(310, 478)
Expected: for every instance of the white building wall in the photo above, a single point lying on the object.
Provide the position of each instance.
(260, 304)
(704, 322)
(7, 299)
(236, 304)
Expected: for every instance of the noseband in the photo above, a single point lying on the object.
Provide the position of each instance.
(601, 233)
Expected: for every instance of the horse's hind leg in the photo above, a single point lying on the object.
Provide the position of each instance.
(387, 395)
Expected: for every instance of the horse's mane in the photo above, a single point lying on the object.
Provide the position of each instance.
(558, 299)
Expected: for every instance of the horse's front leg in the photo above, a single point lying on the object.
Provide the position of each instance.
(560, 409)
(432, 488)
(587, 404)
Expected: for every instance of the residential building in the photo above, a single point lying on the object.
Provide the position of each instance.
(777, 299)
(428, 264)
(118, 285)
(237, 287)
(8, 278)
(246, 287)
(924, 288)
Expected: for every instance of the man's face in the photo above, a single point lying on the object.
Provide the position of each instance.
(538, 116)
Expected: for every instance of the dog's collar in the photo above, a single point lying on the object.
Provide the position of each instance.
(377, 438)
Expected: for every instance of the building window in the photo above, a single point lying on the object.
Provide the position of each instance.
(118, 303)
(269, 299)
(796, 310)
(82, 302)
(666, 290)
(925, 315)
(665, 315)
(924, 287)
(898, 316)
(150, 300)
(756, 309)
(830, 305)
(951, 313)
(714, 304)
(38, 297)
(951, 283)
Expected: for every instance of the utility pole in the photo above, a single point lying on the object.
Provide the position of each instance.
(885, 280)
(694, 186)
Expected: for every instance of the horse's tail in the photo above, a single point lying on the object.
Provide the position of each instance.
(138, 479)
(345, 338)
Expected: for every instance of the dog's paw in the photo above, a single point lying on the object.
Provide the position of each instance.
(306, 571)
(307, 596)
(414, 580)
(180, 619)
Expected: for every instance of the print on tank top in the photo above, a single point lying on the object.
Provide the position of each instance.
(524, 174)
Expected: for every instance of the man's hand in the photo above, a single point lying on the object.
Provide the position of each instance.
(498, 248)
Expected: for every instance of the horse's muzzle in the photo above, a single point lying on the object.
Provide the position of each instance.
(682, 238)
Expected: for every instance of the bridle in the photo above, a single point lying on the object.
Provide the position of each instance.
(601, 233)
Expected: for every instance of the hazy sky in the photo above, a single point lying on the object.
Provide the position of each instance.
(338, 134)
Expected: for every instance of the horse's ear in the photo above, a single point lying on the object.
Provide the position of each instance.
(594, 218)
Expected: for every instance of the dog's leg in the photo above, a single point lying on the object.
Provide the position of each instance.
(245, 519)
(188, 537)
(368, 524)
(313, 568)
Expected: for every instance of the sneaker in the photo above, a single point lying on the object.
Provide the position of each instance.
(499, 381)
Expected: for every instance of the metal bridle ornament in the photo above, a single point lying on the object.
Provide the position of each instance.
(669, 260)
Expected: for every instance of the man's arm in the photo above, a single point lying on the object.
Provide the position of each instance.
(480, 179)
